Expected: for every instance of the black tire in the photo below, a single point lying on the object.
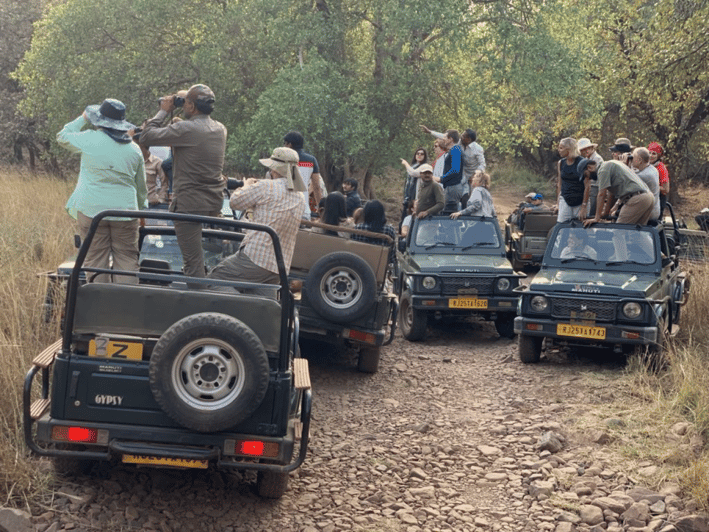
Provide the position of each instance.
(341, 287)
(530, 348)
(368, 361)
(505, 325)
(209, 372)
(413, 322)
(271, 485)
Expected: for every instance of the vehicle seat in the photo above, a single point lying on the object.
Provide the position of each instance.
(605, 250)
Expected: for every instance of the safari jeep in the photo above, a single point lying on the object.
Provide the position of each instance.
(161, 375)
(455, 268)
(526, 245)
(612, 285)
(344, 293)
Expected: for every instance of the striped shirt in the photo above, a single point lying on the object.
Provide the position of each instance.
(273, 204)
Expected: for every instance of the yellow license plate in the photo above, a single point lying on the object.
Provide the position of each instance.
(105, 348)
(159, 461)
(467, 302)
(581, 331)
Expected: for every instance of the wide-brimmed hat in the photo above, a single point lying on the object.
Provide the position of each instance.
(111, 114)
(622, 145)
(424, 168)
(285, 162)
(584, 143)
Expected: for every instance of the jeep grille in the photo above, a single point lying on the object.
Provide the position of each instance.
(562, 308)
(451, 285)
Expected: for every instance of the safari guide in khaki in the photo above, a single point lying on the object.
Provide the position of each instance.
(198, 144)
(112, 176)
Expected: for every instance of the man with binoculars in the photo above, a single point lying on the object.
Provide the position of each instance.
(198, 144)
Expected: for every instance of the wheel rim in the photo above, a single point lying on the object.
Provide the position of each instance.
(341, 287)
(408, 314)
(208, 374)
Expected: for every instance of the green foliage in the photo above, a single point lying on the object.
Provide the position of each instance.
(358, 76)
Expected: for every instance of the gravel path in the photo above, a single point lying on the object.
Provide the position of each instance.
(452, 434)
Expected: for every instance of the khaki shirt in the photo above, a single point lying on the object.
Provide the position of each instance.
(156, 180)
(198, 146)
(619, 179)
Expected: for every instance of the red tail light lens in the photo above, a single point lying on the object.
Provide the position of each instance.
(75, 434)
(256, 448)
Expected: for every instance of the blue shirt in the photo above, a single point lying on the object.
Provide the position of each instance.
(112, 174)
(454, 175)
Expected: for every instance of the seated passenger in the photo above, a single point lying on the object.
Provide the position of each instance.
(408, 219)
(276, 201)
(334, 213)
(576, 246)
(376, 222)
(641, 248)
(536, 205)
(480, 202)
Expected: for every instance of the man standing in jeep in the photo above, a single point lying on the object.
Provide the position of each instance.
(198, 144)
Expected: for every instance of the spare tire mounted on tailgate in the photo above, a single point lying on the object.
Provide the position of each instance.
(209, 372)
(341, 287)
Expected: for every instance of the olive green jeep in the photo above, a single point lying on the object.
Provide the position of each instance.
(158, 374)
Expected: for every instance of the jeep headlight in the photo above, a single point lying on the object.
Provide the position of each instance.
(429, 283)
(632, 310)
(503, 284)
(539, 303)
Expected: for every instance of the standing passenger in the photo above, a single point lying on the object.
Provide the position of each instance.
(198, 144)
(656, 160)
(112, 176)
(570, 187)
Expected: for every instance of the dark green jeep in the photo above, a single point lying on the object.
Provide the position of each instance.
(158, 374)
(455, 268)
(612, 285)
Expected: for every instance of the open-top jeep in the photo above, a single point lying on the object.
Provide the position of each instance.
(346, 296)
(614, 285)
(162, 375)
(455, 268)
(526, 238)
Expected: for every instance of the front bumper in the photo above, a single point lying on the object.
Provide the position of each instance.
(614, 334)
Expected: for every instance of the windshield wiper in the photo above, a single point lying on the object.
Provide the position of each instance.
(440, 244)
(579, 257)
(479, 244)
(629, 261)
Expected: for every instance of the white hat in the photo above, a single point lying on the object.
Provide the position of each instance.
(586, 143)
(531, 195)
(285, 162)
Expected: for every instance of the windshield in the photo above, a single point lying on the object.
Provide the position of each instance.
(461, 233)
(604, 246)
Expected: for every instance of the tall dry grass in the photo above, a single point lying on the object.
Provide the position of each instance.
(35, 236)
(681, 393)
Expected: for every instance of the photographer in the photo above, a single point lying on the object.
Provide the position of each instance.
(198, 144)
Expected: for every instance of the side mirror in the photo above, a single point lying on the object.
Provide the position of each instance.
(666, 261)
(401, 244)
(77, 241)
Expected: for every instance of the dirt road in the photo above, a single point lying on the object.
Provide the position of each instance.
(445, 437)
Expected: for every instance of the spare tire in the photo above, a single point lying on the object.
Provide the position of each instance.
(341, 287)
(209, 372)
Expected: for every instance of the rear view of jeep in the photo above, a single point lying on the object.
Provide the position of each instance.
(159, 374)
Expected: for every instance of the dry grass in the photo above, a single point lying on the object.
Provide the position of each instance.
(35, 236)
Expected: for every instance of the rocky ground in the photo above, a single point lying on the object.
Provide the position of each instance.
(452, 434)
